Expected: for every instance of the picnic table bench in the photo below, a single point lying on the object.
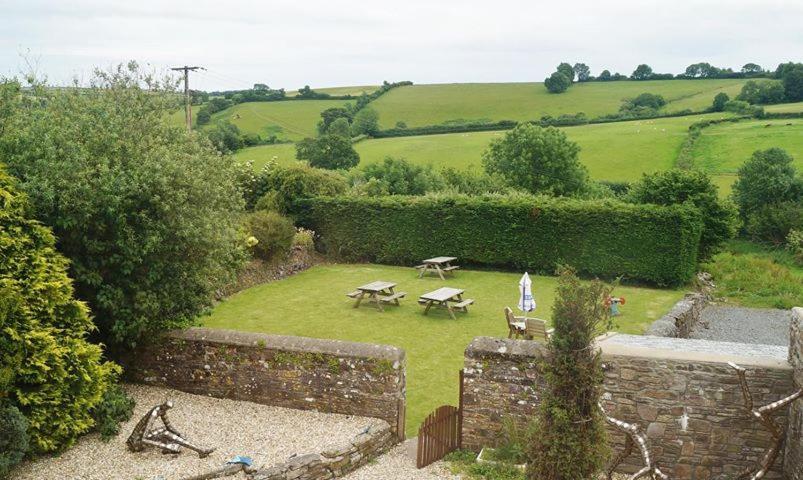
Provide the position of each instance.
(449, 298)
(378, 292)
(439, 265)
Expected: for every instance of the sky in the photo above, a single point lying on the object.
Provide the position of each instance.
(290, 44)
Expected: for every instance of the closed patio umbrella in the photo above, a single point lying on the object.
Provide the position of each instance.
(526, 300)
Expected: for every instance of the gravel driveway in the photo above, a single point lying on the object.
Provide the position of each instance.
(268, 435)
(762, 326)
(398, 464)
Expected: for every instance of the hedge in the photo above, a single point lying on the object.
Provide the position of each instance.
(602, 237)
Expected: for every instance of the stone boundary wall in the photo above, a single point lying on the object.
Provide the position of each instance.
(336, 461)
(681, 319)
(680, 391)
(794, 438)
(294, 372)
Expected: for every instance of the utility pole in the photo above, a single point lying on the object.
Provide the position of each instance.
(188, 105)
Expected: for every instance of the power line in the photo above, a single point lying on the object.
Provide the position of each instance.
(188, 107)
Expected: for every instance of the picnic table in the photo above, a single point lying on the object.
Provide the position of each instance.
(449, 298)
(378, 292)
(439, 265)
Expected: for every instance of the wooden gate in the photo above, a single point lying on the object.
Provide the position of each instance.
(440, 433)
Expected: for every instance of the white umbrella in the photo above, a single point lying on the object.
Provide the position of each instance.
(526, 301)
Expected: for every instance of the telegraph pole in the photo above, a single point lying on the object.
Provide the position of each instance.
(188, 105)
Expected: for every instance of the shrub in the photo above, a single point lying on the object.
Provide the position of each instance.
(773, 222)
(116, 407)
(538, 160)
(13, 437)
(47, 368)
(396, 176)
(742, 108)
(274, 232)
(304, 239)
(557, 83)
(754, 281)
(366, 122)
(328, 151)
(572, 442)
(608, 238)
(472, 182)
(147, 213)
(794, 243)
(765, 92)
(340, 127)
(644, 100)
(767, 177)
(674, 187)
(225, 136)
(719, 102)
(294, 183)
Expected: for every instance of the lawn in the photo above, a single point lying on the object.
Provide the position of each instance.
(419, 105)
(289, 120)
(313, 304)
(612, 151)
(722, 149)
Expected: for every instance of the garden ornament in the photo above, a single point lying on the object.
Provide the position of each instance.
(764, 415)
(633, 436)
(167, 437)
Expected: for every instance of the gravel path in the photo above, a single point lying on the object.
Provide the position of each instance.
(398, 464)
(268, 435)
(744, 325)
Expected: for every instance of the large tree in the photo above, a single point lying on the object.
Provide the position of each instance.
(642, 72)
(768, 177)
(582, 71)
(793, 84)
(366, 122)
(567, 70)
(537, 159)
(331, 152)
(557, 82)
(147, 213)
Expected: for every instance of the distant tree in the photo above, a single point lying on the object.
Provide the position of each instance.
(762, 92)
(203, 116)
(793, 84)
(605, 76)
(537, 159)
(571, 440)
(752, 69)
(567, 70)
(648, 100)
(557, 83)
(783, 68)
(642, 72)
(331, 152)
(396, 176)
(366, 122)
(768, 177)
(225, 136)
(674, 187)
(340, 127)
(720, 100)
(582, 71)
(330, 115)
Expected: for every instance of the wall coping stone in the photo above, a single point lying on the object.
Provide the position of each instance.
(504, 346)
(695, 350)
(339, 348)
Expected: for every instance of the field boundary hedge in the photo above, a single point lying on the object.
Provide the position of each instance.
(650, 243)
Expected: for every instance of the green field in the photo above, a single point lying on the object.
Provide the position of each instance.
(611, 151)
(722, 149)
(289, 120)
(353, 90)
(313, 304)
(420, 105)
(785, 108)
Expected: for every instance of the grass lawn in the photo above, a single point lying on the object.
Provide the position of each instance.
(611, 151)
(291, 120)
(419, 105)
(785, 108)
(313, 304)
(722, 149)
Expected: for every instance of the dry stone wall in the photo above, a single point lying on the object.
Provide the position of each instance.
(794, 438)
(294, 372)
(680, 391)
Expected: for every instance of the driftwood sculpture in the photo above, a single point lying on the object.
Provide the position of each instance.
(764, 415)
(166, 437)
(633, 436)
(232, 467)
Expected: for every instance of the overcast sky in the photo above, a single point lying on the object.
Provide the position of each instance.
(332, 43)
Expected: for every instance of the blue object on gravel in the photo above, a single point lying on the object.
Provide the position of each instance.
(240, 459)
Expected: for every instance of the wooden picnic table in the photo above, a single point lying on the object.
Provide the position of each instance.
(378, 292)
(439, 265)
(449, 298)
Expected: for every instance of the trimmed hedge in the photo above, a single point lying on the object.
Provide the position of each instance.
(604, 237)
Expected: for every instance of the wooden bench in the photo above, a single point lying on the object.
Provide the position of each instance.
(449, 269)
(420, 267)
(464, 303)
(354, 294)
(392, 298)
(421, 301)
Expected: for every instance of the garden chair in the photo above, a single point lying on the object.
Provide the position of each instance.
(535, 329)
(515, 325)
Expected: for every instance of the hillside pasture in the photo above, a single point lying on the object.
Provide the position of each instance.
(288, 120)
(722, 149)
(420, 105)
(356, 90)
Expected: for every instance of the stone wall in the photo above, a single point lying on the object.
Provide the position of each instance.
(794, 436)
(681, 319)
(680, 391)
(336, 461)
(293, 372)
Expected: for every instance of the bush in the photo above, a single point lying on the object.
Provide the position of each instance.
(773, 222)
(754, 281)
(115, 408)
(557, 83)
(47, 368)
(328, 151)
(274, 233)
(794, 243)
(304, 239)
(768, 177)
(396, 176)
(538, 160)
(645, 100)
(673, 187)
(147, 213)
(366, 122)
(742, 108)
(472, 182)
(13, 438)
(571, 442)
(340, 127)
(607, 238)
(295, 183)
(719, 102)
(766, 92)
